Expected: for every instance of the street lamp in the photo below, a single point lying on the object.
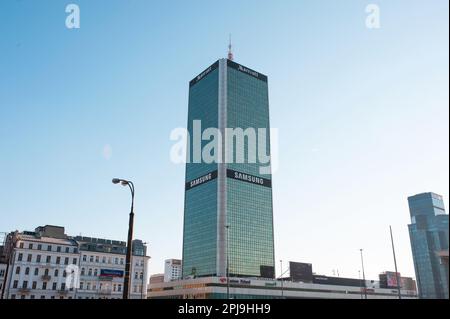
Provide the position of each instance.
(397, 277)
(228, 264)
(126, 284)
(281, 276)
(364, 275)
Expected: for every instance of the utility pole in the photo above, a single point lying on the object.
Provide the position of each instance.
(397, 277)
(364, 274)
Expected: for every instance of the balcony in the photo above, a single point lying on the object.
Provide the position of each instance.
(46, 277)
(24, 290)
(63, 291)
(105, 292)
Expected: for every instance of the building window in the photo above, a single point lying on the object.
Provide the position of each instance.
(104, 259)
(66, 261)
(58, 260)
(56, 272)
(136, 275)
(27, 271)
(83, 271)
(121, 261)
(46, 272)
(44, 285)
(90, 272)
(116, 261)
(63, 286)
(91, 259)
(88, 286)
(74, 261)
(95, 272)
(49, 248)
(15, 284)
(84, 257)
(39, 247)
(34, 285)
(25, 284)
(119, 287)
(29, 257)
(67, 250)
(64, 274)
(22, 297)
(17, 270)
(48, 259)
(38, 258)
(81, 285)
(30, 246)
(54, 286)
(31, 296)
(20, 257)
(58, 249)
(97, 260)
(21, 245)
(36, 271)
(42, 297)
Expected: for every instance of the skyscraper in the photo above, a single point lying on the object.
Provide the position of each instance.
(225, 193)
(429, 240)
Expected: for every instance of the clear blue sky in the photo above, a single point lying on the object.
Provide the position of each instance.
(362, 114)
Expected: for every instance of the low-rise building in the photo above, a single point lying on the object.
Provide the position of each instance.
(257, 288)
(48, 264)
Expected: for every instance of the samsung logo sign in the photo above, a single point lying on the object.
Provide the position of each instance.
(201, 180)
(249, 178)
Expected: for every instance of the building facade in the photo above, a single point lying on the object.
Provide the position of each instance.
(48, 264)
(102, 268)
(172, 270)
(429, 235)
(259, 288)
(228, 213)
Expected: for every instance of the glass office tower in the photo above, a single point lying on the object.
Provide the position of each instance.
(229, 193)
(429, 239)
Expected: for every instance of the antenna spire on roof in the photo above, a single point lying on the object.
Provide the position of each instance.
(230, 52)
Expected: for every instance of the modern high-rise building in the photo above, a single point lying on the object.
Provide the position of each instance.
(228, 214)
(429, 241)
(172, 270)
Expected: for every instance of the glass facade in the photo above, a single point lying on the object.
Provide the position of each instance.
(429, 235)
(249, 205)
(200, 208)
(237, 97)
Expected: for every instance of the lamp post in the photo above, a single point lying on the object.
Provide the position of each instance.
(397, 277)
(228, 263)
(360, 283)
(281, 276)
(126, 284)
(364, 275)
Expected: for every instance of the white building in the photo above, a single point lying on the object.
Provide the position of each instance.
(102, 269)
(257, 288)
(172, 270)
(38, 262)
(2, 275)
